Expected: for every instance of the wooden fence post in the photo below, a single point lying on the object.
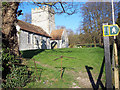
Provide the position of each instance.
(116, 69)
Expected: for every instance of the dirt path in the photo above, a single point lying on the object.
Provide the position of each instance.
(81, 79)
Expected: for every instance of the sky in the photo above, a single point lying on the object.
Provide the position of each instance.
(72, 22)
(69, 21)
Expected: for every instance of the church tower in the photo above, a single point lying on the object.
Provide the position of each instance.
(44, 18)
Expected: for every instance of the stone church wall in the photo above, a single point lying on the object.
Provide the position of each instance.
(36, 41)
(64, 41)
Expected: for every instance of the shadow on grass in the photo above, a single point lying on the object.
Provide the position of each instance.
(38, 71)
(99, 82)
(61, 51)
(63, 70)
(30, 53)
(38, 68)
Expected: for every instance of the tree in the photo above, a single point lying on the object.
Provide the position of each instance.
(60, 27)
(27, 17)
(73, 38)
(118, 19)
(59, 7)
(10, 18)
(118, 22)
(94, 14)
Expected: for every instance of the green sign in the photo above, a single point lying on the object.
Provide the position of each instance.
(110, 30)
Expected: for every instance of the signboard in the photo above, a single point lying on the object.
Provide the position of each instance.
(110, 30)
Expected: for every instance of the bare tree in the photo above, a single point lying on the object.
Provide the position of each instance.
(60, 27)
(27, 17)
(118, 22)
(73, 38)
(59, 7)
(94, 14)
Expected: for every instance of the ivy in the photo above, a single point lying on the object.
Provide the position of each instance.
(14, 75)
(18, 77)
(5, 4)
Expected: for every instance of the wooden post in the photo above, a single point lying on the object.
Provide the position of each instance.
(36, 69)
(107, 63)
(116, 69)
(61, 68)
(113, 66)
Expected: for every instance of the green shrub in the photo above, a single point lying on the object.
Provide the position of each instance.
(83, 46)
(7, 59)
(13, 75)
(6, 56)
(71, 45)
(18, 77)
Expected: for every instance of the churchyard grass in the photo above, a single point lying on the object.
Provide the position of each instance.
(48, 70)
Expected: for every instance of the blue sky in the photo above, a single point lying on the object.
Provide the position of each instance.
(69, 21)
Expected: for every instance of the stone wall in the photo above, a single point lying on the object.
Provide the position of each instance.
(64, 42)
(36, 41)
(43, 18)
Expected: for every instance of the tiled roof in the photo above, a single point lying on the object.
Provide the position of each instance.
(56, 34)
(31, 28)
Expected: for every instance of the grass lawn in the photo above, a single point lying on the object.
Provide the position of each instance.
(74, 71)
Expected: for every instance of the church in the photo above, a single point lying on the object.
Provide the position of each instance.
(41, 33)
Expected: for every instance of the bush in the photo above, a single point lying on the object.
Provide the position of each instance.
(13, 75)
(71, 45)
(83, 46)
(18, 77)
(7, 60)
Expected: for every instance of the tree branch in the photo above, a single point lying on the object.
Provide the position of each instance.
(59, 9)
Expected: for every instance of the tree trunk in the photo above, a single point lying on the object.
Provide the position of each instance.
(0, 24)
(9, 32)
(100, 41)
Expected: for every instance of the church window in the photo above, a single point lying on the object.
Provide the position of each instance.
(40, 40)
(28, 37)
(63, 40)
(31, 36)
(36, 41)
(33, 39)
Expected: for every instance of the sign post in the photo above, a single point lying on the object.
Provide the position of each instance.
(111, 30)
(116, 69)
(107, 57)
(115, 56)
